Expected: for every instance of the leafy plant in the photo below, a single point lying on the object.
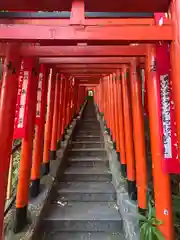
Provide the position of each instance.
(176, 214)
(149, 225)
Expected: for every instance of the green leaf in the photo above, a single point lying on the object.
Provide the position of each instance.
(158, 234)
(151, 210)
(150, 234)
(147, 229)
(143, 231)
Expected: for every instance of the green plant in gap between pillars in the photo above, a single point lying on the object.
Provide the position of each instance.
(149, 224)
(176, 214)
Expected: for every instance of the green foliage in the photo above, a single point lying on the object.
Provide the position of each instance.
(16, 161)
(149, 225)
(176, 214)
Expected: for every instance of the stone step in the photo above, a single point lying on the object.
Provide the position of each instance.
(87, 152)
(89, 126)
(89, 132)
(83, 236)
(83, 217)
(88, 161)
(82, 174)
(88, 138)
(87, 144)
(85, 191)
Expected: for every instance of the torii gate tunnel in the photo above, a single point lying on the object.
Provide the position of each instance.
(128, 55)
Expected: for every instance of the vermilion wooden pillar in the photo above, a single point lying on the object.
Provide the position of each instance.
(75, 97)
(1, 72)
(53, 147)
(22, 196)
(39, 130)
(121, 124)
(49, 120)
(116, 134)
(162, 189)
(7, 114)
(115, 93)
(108, 107)
(68, 113)
(111, 107)
(64, 111)
(113, 120)
(106, 104)
(102, 97)
(130, 159)
(175, 58)
(138, 134)
(60, 109)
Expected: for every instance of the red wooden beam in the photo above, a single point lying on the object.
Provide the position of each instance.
(88, 76)
(92, 81)
(24, 32)
(59, 51)
(86, 71)
(79, 66)
(83, 60)
(88, 85)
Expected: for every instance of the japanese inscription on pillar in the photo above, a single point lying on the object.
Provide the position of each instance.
(170, 163)
(166, 115)
(21, 102)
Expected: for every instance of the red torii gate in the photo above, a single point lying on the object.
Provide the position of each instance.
(77, 30)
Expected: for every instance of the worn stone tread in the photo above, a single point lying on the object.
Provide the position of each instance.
(86, 187)
(83, 236)
(89, 170)
(83, 211)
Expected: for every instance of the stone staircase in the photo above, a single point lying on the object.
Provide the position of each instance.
(83, 205)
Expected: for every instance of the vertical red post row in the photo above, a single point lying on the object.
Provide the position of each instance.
(139, 135)
(60, 109)
(121, 124)
(22, 196)
(53, 147)
(1, 72)
(116, 113)
(130, 158)
(49, 121)
(76, 97)
(68, 116)
(66, 113)
(39, 131)
(64, 110)
(106, 104)
(7, 114)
